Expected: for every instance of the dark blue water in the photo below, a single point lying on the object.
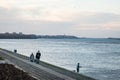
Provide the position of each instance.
(99, 58)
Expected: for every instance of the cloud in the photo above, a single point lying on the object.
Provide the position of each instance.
(96, 21)
(12, 20)
(96, 18)
(104, 18)
(8, 14)
(39, 20)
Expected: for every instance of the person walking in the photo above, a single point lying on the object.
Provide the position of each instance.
(38, 55)
(32, 57)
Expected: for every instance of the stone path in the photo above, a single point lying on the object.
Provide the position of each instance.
(43, 71)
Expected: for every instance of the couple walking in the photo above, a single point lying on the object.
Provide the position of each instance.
(38, 55)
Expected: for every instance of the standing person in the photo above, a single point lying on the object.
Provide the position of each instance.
(78, 67)
(38, 55)
(32, 57)
(15, 50)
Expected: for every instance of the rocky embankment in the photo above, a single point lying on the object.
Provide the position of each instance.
(9, 72)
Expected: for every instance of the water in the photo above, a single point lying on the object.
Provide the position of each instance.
(99, 58)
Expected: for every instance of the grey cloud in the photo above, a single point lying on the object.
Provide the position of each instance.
(98, 18)
(9, 22)
(105, 18)
(8, 13)
(35, 26)
(32, 26)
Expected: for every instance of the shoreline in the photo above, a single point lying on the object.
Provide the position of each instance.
(48, 67)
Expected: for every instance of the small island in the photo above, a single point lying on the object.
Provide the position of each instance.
(20, 35)
(114, 38)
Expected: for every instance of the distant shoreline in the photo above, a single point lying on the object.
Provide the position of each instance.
(15, 35)
(33, 36)
(115, 38)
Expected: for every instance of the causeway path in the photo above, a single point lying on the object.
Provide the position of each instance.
(42, 71)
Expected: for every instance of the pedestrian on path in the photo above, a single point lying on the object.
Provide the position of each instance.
(15, 50)
(32, 57)
(38, 55)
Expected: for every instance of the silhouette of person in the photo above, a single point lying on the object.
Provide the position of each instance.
(38, 55)
(15, 51)
(78, 67)
(32, 57)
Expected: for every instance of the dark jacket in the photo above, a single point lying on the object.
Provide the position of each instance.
(38, 54)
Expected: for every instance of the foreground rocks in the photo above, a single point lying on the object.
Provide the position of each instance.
(9, 72)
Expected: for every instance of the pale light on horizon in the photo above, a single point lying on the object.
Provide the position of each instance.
(83, 18)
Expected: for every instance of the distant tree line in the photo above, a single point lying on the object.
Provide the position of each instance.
(57, 36)
(17, 36)
(20, 35)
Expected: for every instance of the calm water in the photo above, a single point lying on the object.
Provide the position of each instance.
(99, 58)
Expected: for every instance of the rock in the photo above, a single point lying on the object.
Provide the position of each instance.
(9, 72)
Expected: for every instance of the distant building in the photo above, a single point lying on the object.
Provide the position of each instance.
(20, 33)
(14, 33)
(7, 33)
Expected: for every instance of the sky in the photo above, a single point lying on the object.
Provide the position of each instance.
(82, 18)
